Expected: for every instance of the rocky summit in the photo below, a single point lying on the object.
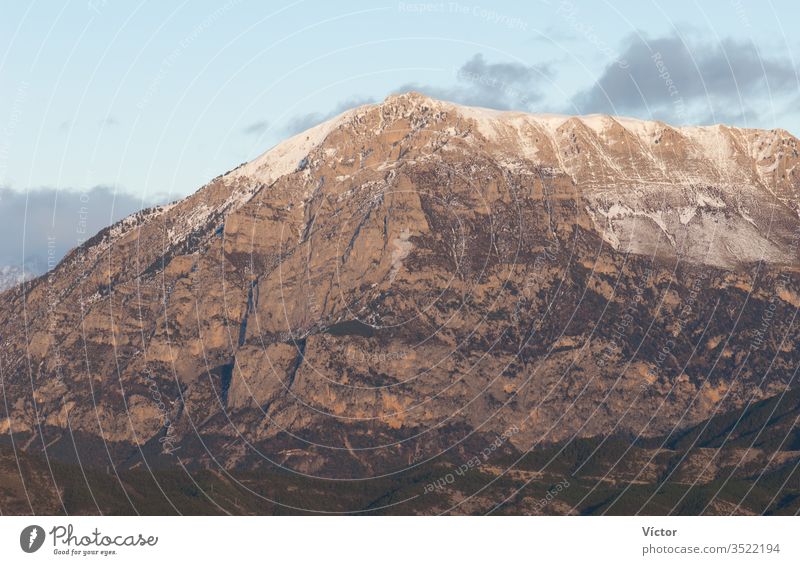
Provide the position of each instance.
(419, 307)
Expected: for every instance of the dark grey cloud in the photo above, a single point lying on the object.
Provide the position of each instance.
(302, 122)
(502, 86)
(256, 128)
(688, 79)
(32, 218)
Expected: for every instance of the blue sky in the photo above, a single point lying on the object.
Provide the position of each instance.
(151, 99)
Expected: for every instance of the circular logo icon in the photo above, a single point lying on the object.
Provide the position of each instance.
(31, 539)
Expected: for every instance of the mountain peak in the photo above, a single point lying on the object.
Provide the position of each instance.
(412, 96)
(627, 169)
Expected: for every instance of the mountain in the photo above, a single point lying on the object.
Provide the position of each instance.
(416, 283)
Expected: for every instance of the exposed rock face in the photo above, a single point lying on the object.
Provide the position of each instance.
(380, 288)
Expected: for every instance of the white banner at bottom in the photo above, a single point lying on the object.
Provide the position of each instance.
(398, 540)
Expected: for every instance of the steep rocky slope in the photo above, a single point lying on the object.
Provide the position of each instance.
(413, 279)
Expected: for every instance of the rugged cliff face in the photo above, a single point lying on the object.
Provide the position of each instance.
(411, 278)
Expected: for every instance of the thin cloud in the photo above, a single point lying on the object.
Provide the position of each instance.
(303, 122)
(256, 128)
(553, 34)
(108, 122)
